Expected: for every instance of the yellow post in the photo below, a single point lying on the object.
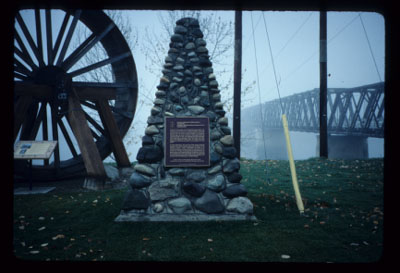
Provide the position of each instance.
(299, 202)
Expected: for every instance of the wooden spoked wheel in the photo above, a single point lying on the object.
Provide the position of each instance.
(49, 67)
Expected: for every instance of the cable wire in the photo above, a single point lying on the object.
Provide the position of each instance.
(273, 64)
(259, 94)
(370, 48)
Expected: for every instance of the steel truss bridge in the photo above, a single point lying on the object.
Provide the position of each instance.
(357, 111)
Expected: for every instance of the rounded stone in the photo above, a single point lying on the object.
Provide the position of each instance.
(240, 205)
(147, 140)
(180, 205)
(196, 109)
(155, 110)
(158, 207)
(235, 190)
(144, 169)
(180, 29)
(213, 84)
(209, 203)
(182, 90)
(201, 49)
(152, 130)
(200, 42)
(190, 46)
(234, 177)
(196, 176)
(135, 199)
(149, 154)
(177, 38)
(177, 171)
(229, 152)
(230, 166)
(216, 183)
(223, 121)
(227, 140)
(194, 189)
(160, 94)
(197, 82)
(138, 181)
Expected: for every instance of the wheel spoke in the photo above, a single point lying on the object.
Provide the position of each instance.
(40, 117)
(94, 123)
(85, 47)
(20, 68)
(88, 104)
(39, 35)
(29, 39)
(49, 37)
(61, 34)
(99, 64)
(54, 129)
(68, 38)
(17, 75)
(23, 53)
(67, 138)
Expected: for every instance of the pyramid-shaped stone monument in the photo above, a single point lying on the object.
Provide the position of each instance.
(187, 166)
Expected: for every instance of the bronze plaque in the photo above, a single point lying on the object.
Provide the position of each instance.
(187, 142)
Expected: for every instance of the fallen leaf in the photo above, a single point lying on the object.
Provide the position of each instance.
(45, 244)
(34, 251)
(145, 239)
(209, 240)
(322, 223)
(41, 218)
(284, 256)
(42, 228)
(59, 236)
(95, 201)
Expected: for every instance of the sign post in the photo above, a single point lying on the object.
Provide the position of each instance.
(29, 150)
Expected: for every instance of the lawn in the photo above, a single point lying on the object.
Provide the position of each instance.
(343, 221)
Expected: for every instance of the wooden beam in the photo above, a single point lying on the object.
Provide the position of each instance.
(113, 133)
(90, 154)
(45, 91)
(323, 128)
(237, 81)
(20, 110)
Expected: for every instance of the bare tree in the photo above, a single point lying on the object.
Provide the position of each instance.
(218, 33)
(104, 73)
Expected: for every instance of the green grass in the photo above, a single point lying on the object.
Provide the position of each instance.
(342, 221)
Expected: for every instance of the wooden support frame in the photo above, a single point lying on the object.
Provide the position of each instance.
(90, 154)
(113, 133)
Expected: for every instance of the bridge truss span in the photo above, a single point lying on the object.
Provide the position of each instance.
(357, 111)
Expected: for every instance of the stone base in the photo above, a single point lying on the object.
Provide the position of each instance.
(132, 216)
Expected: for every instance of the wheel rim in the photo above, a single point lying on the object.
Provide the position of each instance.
(43, 58)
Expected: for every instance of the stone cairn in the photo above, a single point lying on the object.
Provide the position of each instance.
(188, 87)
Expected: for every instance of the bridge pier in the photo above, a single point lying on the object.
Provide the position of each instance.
(346, 147)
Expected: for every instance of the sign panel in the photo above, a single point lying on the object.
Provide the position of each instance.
(34, 149)
(187, 142)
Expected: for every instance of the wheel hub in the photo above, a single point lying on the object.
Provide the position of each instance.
(60, 82)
